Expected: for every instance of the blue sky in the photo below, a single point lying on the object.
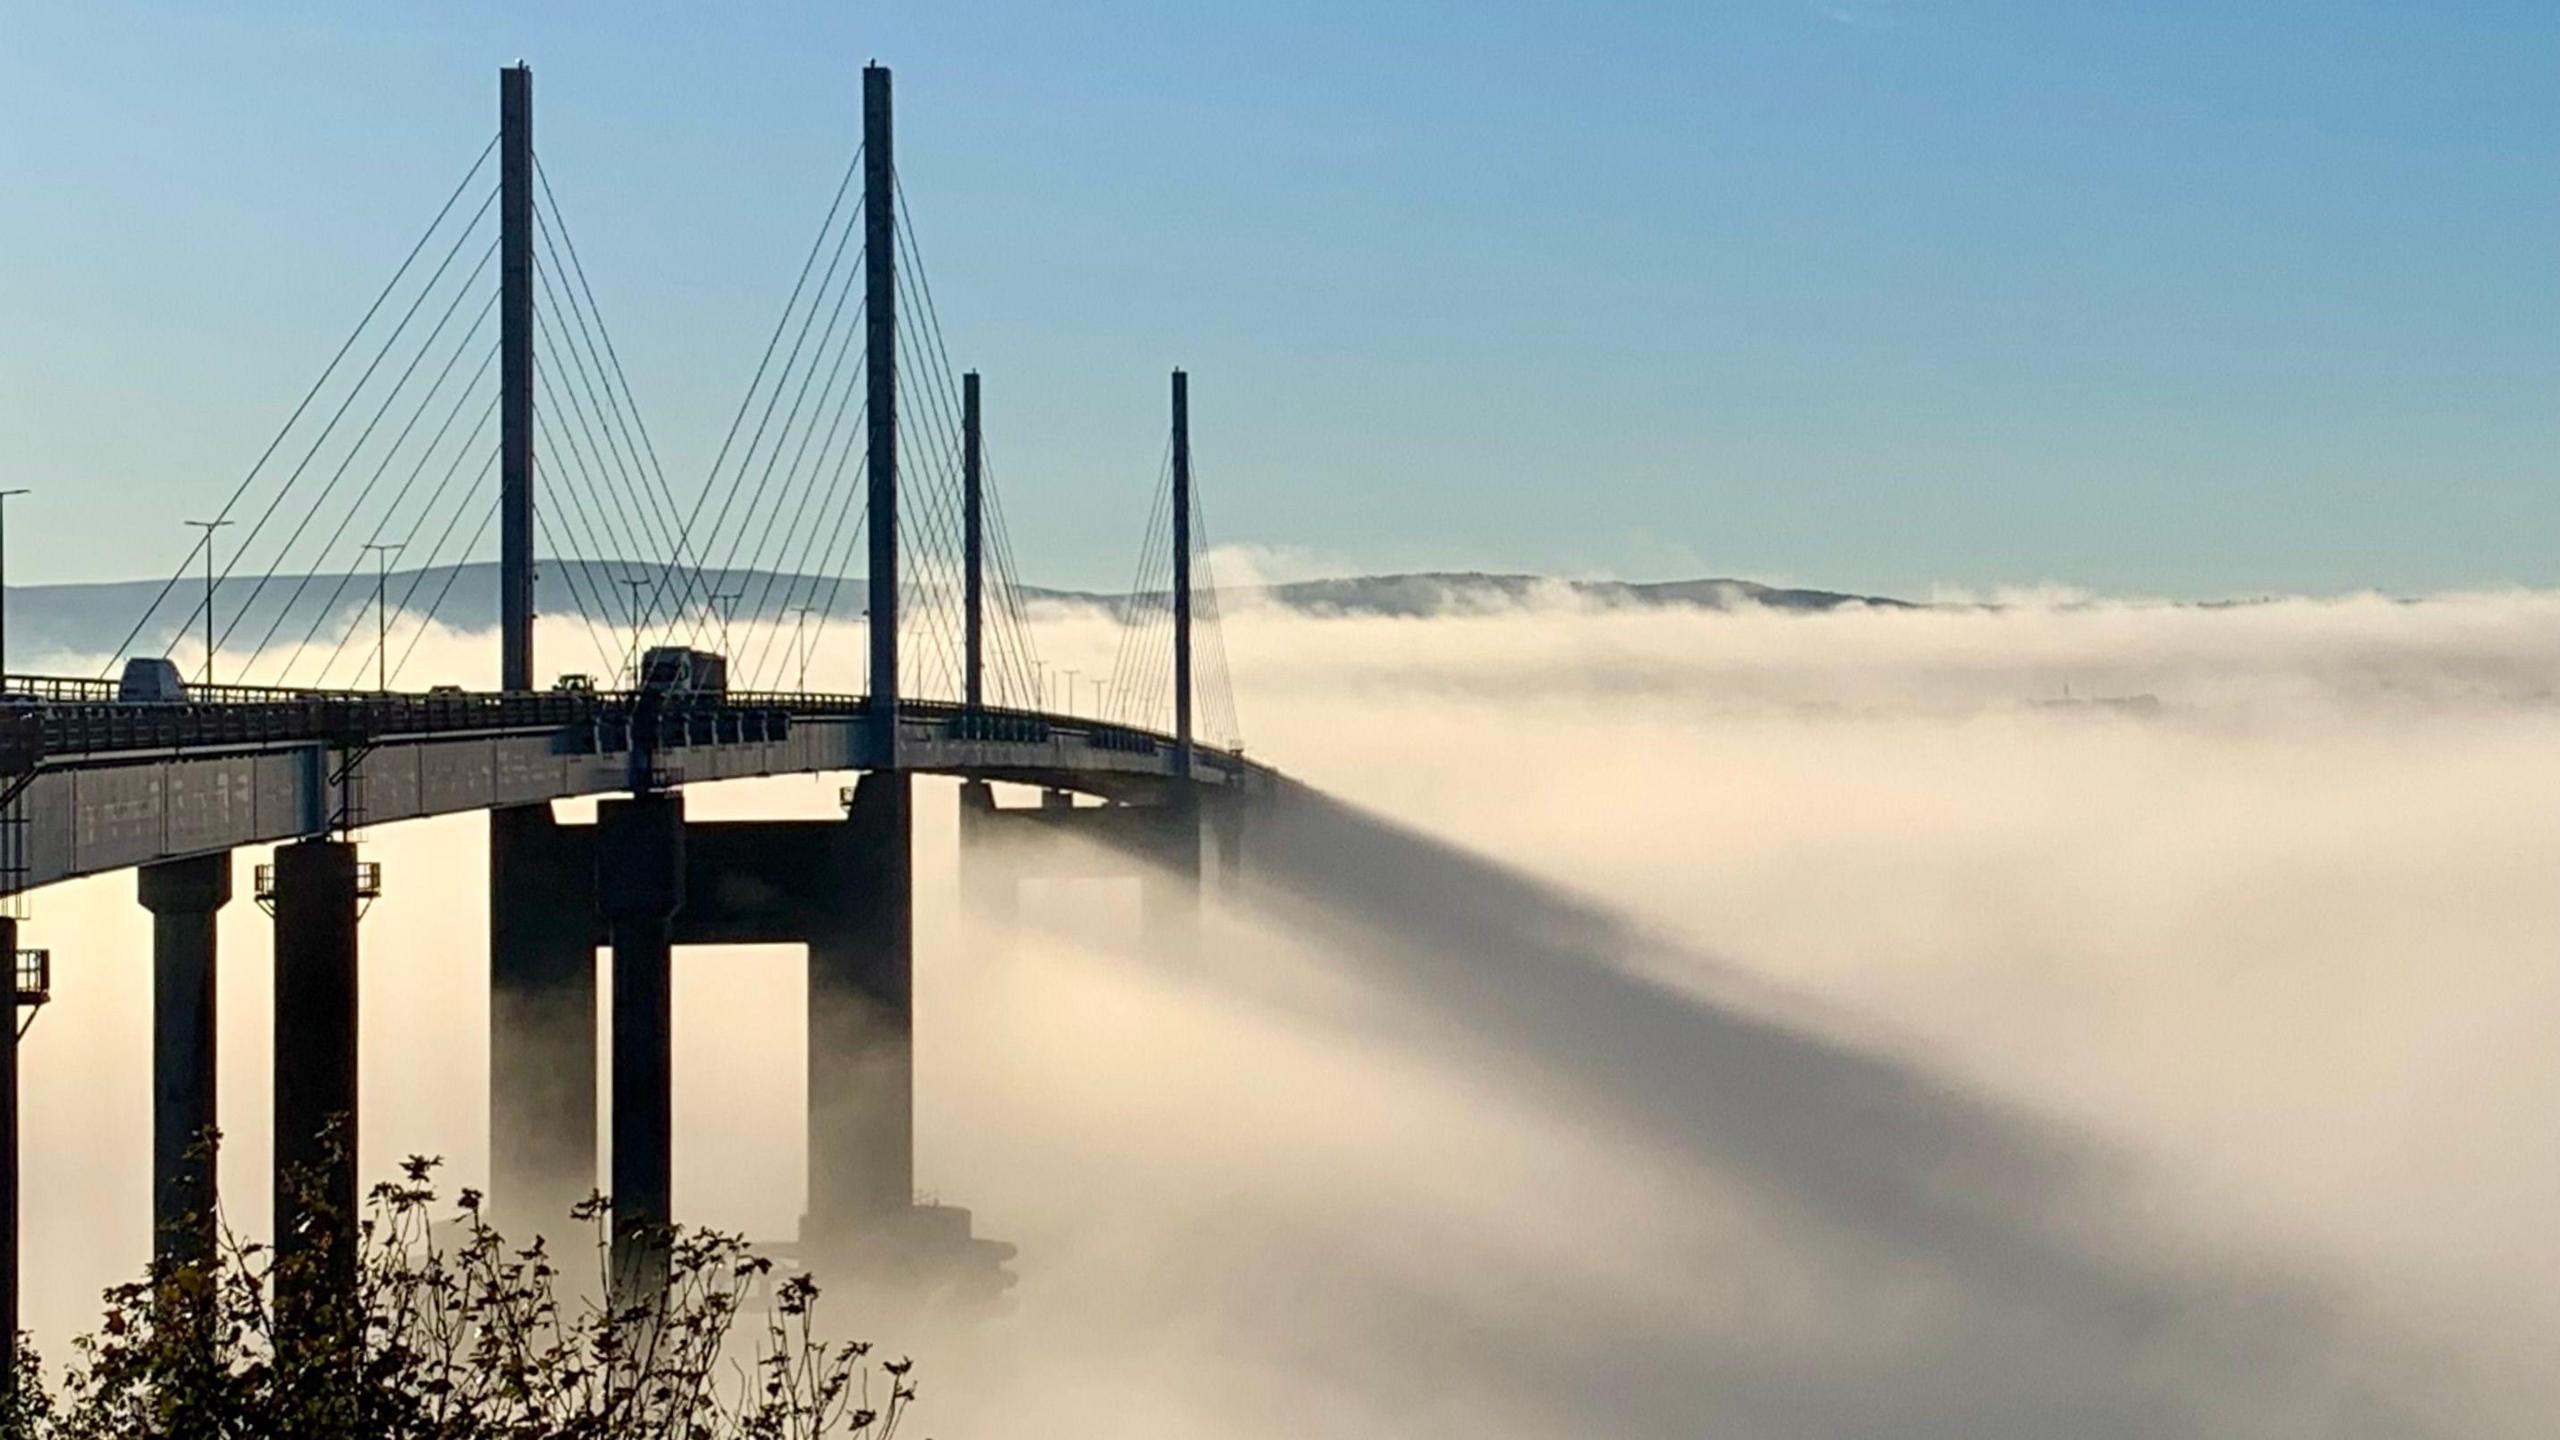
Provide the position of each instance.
(2163, 297)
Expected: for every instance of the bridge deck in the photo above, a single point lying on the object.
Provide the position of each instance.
(96, 786)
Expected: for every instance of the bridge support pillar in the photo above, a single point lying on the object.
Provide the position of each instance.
(1169, 885)
(9, 1231)
(1162, 844)
(639, 886)
(543, 934)
(844, 889)
(861, 1021)
(184, 897)
(315, 893)
(1222, 829)
(990, 887)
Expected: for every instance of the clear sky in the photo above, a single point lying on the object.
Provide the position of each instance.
(2162, 296)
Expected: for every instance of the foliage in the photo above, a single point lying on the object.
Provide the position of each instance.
(440, 1330)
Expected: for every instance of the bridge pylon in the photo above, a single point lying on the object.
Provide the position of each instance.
(516, 417)
(880, 356)
(973, 546)
(1182, 574)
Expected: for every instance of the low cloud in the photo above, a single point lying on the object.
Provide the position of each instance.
(1752, 1022)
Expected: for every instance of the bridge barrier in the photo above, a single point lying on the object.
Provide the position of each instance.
(1007, 726)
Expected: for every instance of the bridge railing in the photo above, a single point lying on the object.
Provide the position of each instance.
(88, 726)
(68, 690)
(52, 716)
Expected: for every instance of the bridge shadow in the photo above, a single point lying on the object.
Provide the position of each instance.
(2049, 1312)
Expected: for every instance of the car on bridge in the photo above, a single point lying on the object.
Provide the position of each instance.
(151, 680)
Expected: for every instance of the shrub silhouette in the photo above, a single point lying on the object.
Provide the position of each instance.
(441, 1330)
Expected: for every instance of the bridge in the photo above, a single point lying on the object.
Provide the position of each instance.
(95, 778)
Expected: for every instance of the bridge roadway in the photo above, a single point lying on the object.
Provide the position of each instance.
(101, 786)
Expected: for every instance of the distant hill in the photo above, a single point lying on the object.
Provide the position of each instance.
(1440, 593)
(95, 619)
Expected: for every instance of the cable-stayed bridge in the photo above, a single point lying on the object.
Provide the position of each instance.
(268, 695)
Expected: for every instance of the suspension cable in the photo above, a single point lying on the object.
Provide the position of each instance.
(825, 227)
(259, 527)
(188, 561)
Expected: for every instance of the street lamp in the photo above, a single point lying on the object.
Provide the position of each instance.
(799, 642)
(208, 527)
(723, 605)
(382, 550)
(4, 572)
(1067, 703)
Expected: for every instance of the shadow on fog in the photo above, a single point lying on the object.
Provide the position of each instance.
(2030, 1327)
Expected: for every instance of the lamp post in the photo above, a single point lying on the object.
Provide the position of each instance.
(800, 642)
(4, 573)
(631, 657)
(722, 607)
(208, 527)
(1067, 702)
(382, 551)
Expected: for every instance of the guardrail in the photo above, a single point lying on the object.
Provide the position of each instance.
(89, 690)
(51, 716)
(90, 727)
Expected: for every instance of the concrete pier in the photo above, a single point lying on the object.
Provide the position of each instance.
(1167, 845)
(653, 882)
(315, 895)
(184, 897)
(543, 934)
(9, 1231)
(990, 888)
(862, 1019)
(640, 887)
(1163, 843)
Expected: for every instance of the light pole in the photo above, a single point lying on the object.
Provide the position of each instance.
(382, 553)
(4, 573)
(631, 657)
(208, 527)
(723, 605)
(1067, 704)
(1100, 689)
(800, 642)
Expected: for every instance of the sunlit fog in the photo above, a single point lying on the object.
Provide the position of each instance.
(2051, 1017)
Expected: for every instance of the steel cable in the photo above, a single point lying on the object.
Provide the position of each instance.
(426, 510)
(711, 480)
(188, 562)
(391, 342)
(426, 456)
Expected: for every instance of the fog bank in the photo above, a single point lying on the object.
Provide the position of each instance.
(1746, 1023)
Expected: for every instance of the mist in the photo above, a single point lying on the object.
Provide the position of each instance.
(1647, 1022)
